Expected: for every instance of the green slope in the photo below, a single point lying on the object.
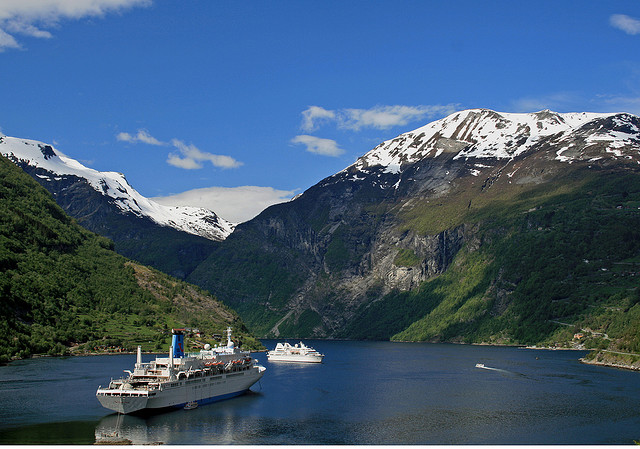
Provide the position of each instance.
(63, 287)
(562, 258)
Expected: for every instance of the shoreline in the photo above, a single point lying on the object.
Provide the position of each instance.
(91, 354)
(613, 359)
(597, 360)
(609, 364)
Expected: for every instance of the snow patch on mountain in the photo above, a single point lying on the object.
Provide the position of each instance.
(194, 220)
(482, 133)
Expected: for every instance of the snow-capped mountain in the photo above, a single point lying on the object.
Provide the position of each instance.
(485, 134)
(405, 211)
(51, 165)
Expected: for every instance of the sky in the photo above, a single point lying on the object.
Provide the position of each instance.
(236, 105)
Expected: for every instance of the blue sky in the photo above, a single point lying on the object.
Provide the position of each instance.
(235, 105)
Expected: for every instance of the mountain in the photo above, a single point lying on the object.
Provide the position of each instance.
(173, 239)
(63, 288)
(479, 227)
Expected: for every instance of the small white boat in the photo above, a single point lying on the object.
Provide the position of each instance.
(299, 352)
(479, 365)
(191, 405)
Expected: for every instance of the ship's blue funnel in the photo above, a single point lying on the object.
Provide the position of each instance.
(177, 342)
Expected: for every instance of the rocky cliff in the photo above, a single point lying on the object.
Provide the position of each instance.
(383, 244)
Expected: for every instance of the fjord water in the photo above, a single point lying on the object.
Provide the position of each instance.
(363, 393)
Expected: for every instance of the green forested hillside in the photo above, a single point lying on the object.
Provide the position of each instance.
(540, 263)
(553, 264)
(63, 287)
(171, 251)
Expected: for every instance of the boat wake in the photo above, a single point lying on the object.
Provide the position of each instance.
(482, 366)
(503, 371)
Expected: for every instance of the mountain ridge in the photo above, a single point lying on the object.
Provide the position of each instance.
(422, 238)
(486, 134)
(368, 240)
(63, 289)
(52, 165)
(106, 204)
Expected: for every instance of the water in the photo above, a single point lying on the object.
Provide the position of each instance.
(363, 393)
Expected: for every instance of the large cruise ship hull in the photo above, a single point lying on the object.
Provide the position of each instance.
(177, 394)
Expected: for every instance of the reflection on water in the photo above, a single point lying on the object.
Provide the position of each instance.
(132, 428)
(73, 432)
(363, 393)
(214, 424)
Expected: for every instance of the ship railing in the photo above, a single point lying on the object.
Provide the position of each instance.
(154, 372)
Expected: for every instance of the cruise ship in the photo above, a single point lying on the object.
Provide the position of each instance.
(299, 352)
(182, 380)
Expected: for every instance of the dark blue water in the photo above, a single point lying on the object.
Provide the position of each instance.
(363, 393)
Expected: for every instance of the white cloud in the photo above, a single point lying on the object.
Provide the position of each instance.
(183, 162)
(314, 114)
(622, 104)
(625, 23)
(192, 157)
(559, 101)
(531, 104)
(7, 41)
(142, 136)
(125, 137)
(56, 9)
(28, 17)
(324, 147)
(379, 117)
(27, 29)
(236, 204)
(188, 157)
(385, 117)
(573, 102)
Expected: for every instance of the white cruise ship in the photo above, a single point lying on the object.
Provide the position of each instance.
(182, 379)
(299, 352)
